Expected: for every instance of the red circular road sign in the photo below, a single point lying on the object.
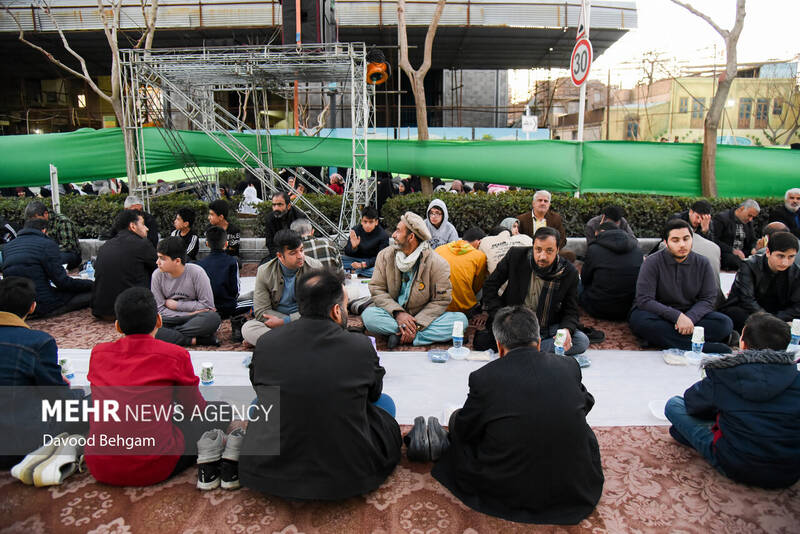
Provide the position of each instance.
(580, 62)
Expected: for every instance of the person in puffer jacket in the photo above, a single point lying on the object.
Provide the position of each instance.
(744, 417)
(442, 231)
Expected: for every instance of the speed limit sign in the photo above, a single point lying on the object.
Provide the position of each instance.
(581, 62)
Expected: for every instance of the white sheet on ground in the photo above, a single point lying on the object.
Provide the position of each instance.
(623, 382)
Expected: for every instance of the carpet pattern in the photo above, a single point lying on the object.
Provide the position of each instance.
(652, 484)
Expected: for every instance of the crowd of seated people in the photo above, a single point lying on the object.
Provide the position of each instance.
(422, 281)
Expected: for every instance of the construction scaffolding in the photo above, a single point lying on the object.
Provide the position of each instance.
(161, 82)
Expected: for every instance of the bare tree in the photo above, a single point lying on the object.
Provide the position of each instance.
(731, 38)
(109, 13)
(417, 77)
(780, 126)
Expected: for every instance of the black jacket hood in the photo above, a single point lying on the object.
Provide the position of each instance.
(617, 241)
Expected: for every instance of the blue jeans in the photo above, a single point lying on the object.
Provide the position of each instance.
(386, 404)
(379, 321)
(347, 260)
(694, 431)
(579, 341)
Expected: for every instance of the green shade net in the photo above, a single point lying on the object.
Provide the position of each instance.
(597, 166)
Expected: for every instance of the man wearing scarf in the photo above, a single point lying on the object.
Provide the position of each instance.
(543, 281)
(411, 289)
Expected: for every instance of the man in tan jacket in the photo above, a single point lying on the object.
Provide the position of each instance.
(411, 289)
(273, 298)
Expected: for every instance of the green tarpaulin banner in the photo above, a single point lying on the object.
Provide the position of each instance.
(595, 166)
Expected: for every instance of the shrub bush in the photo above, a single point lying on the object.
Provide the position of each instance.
(94, 215)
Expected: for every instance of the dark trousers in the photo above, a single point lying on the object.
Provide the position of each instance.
(181, 330)
(662, 334)
(73, 301)
(192, 431)
(614, 311)
(730, 262)
(737, 315)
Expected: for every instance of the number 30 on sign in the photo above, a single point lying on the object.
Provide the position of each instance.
(581, 62)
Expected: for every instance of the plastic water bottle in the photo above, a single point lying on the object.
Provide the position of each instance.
(559, 340)
(89, 270)
(794, 344)
(458, 351)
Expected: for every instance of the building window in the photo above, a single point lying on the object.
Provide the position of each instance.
(762, 111)
(683, 107)
(698, 112)
(632, 129)
(745, 110)
(777, 106)
(81, 101)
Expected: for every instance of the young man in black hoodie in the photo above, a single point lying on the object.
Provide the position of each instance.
(744, 416)
(366, 240)
(609, 273)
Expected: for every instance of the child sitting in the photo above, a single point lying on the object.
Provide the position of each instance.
(223, 272)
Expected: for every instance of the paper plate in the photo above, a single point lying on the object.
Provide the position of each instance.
(657, 409)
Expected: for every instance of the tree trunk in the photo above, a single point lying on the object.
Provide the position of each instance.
(708, 163)
(418, 88)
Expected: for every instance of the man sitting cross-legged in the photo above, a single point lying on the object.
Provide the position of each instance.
(319, 248)
(675, 292)
(769, 283)
(734, 233)
(744, 416)
(543, 281)
(411, 289)
(274, 302)
(145, 376)
(520, 448)
(338, 437)
(184, 298)
(366, 240)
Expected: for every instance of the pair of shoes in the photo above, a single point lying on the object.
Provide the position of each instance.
(733, 340)
(236, 328)
(50, 464)
(393, 341)
(210, 341)
(426, 443)
(218, 459)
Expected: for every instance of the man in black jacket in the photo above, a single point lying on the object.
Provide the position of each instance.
(520, 448)
(365, 241)
(126, 260)
(134, 203)
(34, 255)
(789, 213)
(337, 436)
(699, 217)
(734, 233)
(768, 283)
(543, 281)
(282, 216)
(609, 273)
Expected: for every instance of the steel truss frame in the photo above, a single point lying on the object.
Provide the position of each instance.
(186, 80)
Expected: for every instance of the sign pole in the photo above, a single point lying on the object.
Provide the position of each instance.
(583, 32)
(54, 189)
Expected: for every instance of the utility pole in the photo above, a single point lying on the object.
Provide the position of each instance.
(608, 104)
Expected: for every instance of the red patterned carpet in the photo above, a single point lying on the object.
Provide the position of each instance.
(652, 485)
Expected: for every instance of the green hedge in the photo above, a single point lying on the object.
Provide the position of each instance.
(645, 213)
(94, 215)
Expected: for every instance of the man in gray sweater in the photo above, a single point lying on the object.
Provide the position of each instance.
(184, 298)
(675, 292)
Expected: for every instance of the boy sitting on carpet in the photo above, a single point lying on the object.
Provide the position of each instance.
(139, 371)
(744, 417)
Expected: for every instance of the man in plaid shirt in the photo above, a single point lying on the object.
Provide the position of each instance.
(61, 229)
(318, 248)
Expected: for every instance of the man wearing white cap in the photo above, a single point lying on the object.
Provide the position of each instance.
(411, 289)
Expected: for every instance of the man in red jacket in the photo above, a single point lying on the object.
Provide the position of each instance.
(142, 373)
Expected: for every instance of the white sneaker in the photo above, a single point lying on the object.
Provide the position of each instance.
(23, 471)
(64, 462)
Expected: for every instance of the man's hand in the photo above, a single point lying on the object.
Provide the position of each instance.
(354, 239)
(407, 327)
(684, 325)
(738, 253)
(761, 243)
(272, 321)
(171, 304)
(568, 342)
(358, 265)
(202, 311)
(705, 222)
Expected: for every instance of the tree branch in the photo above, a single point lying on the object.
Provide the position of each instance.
(402, 40)
(426, 62)
(688, 7)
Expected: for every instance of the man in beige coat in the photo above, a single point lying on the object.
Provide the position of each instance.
(273, 298)
(411, 289)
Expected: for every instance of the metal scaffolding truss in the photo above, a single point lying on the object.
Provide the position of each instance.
(185, 80)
